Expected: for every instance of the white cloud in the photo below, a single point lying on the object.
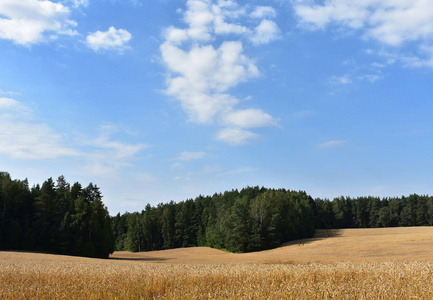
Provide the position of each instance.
(264, 12)
(105, 156)
(136, 3)
(21, 138)
(228, 10)
(24, 140)
(112, 39)
(267, 31)
(31, 141)
(187, 156)
(331, 144)
(206, 19)
(202, 71)
(371, 77)
(425, 58)
(199, 17)
(248, 118)
(392, 23)
(337, 80)
(10, 93)
(350, 13)
(235, 136)
(176, 35)
(27, 22)
(208, 69)
(117, 150)
(204, 74)
(78, 3)
(8, 104)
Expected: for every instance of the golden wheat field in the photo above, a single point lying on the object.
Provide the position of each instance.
(388, 263)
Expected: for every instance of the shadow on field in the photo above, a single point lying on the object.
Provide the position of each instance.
(320, 234)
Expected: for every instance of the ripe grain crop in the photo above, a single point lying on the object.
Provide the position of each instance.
(159, 275)
(114, 280)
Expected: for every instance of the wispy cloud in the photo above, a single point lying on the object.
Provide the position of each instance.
(235, 136)
(10, 93)
(32, 21)
(201, 71)
(20, 138)
(187, 156)
(8, 105)
(331, 144)
(338, 80)
(301, 114)
(145, 177)
(24, 139)
(106, 156)
(239, 171)
(371, 77)
(113, 39)
(78, 3)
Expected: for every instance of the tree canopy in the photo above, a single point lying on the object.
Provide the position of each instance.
(257, 218)
(55, 217)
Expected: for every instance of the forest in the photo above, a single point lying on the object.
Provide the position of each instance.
(54, 218)
(57, 217)
(257, 218)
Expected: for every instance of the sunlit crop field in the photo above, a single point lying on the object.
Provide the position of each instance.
(40, 276)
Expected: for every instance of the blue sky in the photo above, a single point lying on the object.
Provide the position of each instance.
(166, 100)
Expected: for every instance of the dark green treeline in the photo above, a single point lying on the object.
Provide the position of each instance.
(55, 218)
(259, 218)
(59, 218)
(249, 220)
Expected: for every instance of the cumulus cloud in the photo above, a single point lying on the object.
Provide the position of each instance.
(392, 23)
(112, 39)
(265, 32)
(202, 71)
(202, 75)
(27, 22)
